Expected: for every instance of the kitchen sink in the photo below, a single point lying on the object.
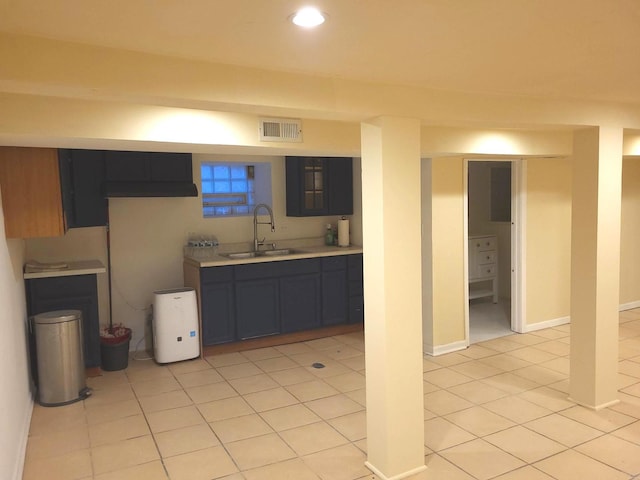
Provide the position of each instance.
(240, 255)
(262, 253)
(277, 252)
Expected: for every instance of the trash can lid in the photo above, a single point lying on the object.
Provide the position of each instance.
(57, 316)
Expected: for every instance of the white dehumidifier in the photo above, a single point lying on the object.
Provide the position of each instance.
(175, 325)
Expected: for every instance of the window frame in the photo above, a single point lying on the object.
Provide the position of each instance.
(225, 202)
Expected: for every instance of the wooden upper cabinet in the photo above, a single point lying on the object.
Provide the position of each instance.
(31, 199)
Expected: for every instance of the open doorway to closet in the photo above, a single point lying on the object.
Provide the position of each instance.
(490, 245)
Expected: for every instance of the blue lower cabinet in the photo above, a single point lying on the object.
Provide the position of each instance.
(74, 292)
(253, 300)
(356, 309)
(218, 313)
(300, 302)
(356, 289)
(257, 309)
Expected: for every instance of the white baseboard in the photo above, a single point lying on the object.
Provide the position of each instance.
(629, 306)
(435, 350)
(564, 320)
(546, 324)
(595, 408)
(22, 443)
(400, 476)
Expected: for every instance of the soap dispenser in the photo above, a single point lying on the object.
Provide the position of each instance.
(328, 236)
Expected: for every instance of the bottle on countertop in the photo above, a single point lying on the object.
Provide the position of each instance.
(328, 236)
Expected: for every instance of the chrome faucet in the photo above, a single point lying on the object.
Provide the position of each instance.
(256, 242)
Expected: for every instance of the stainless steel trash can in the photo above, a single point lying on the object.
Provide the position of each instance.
(61, 375)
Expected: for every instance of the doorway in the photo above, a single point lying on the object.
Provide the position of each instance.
(492, 243)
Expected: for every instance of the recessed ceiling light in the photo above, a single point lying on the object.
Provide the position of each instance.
(308, 17)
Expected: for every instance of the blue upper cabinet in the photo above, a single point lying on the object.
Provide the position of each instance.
(148, 174)
(89, 177)
(319, 186)
(81, 178)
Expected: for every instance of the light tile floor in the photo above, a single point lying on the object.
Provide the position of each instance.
(497, 410)
(488, 320)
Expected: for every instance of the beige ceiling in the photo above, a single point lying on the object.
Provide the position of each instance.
(559, 48)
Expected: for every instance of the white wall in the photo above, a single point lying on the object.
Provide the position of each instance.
(427, 253)
(548, 239)
(447, 246)
(16, 402)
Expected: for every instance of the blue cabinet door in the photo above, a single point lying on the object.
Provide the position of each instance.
(340, 186)
(81, 178)
(257, 308)
(218, 317)
(334, 290)
(319, 186)
(334, 297)
(300, 302)
(356, 289)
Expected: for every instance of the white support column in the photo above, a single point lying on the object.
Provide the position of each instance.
(595, 266)
(393, 296)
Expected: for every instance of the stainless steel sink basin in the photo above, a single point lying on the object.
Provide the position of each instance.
(240, 255)
(278, 252)
(263, 253)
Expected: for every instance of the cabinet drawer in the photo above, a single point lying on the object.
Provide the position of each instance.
(355, 275)
(483, 244)
(252, 271)
(486, 258)
(298, 267)
(216, 274)
(334, 263)
(355, 261)
(63, 287)
(484, 271)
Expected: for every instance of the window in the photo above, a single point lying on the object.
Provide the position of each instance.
(233, 189)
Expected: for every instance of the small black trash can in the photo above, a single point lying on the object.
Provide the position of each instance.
(114, 352)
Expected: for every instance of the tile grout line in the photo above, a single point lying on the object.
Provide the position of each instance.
(146, 419)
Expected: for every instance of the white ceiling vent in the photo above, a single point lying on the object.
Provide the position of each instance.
(280, 130)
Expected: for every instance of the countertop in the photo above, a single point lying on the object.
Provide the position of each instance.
(57, 269)
(211, 259)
